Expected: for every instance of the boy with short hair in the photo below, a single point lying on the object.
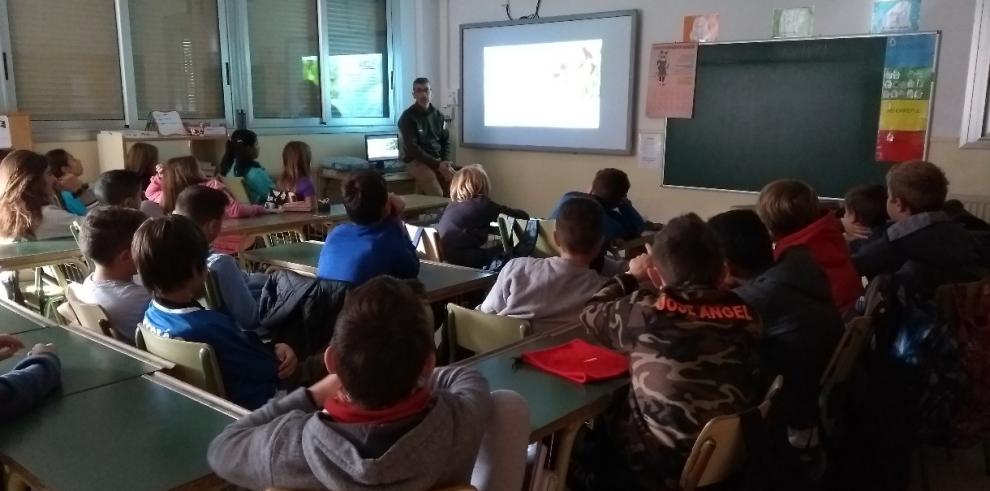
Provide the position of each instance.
(170, 253)
(240, 291)
(693, 348)
(375, 242)
(924, 248)
(123, 188)
(865, 214)
(790, 210)
(384, 418)
(801, 325)
(611, 189)
(105, 237)
(554, 289)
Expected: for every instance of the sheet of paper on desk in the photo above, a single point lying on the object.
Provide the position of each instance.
(169, 123)
(650, 150)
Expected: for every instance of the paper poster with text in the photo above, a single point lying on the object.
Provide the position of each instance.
(673, 68)
(701, 28)
(793, 22)
(896, 15)
(908, 75)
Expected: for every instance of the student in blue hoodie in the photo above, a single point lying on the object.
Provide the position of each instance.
(375, 242)
(240, 159)
(171, 253)
(31, 380)
(611, 189)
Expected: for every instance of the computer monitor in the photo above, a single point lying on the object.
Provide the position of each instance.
(379, 148)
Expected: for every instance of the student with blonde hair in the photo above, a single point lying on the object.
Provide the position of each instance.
(465, 223)
(294, 190)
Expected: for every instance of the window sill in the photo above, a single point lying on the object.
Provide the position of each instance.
(51, 135)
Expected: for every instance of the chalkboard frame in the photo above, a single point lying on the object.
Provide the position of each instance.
(935, 63)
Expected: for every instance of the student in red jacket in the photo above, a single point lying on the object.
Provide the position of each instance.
(789, 208)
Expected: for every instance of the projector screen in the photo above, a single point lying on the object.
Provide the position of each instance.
(558, 84)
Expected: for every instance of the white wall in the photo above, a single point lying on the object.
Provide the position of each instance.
(535, 180)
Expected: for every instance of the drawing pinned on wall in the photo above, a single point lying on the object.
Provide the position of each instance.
(670, 93)
(701, 28)
(793, 22)
(896, 15)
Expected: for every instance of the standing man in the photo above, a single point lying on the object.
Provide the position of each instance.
(426, 142)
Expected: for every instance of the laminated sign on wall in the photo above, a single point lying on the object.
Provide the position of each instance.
(908, 75)
(5, 140)
(672, 80)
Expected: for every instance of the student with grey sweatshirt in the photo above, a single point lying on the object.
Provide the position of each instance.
(385, 418)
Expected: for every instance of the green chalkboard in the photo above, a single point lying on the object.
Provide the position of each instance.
(804, 109)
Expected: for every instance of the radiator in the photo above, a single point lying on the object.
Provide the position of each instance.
(977, 205)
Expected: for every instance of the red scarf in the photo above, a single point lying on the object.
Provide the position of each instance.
(347, 412)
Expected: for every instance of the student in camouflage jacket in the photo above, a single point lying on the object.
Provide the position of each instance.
(692, 346)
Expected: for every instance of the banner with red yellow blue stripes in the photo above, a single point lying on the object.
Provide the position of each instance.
(908, 79)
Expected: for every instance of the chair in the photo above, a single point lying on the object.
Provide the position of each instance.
(90, 316)
(75, 230)
(718, 452)
(481, 332)
(511, 230)
(195, 363)
(285, 237)
(213, 293)
(237, 189)
(427, 241)
(840, 369)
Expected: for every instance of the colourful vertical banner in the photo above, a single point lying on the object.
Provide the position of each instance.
(909, 69)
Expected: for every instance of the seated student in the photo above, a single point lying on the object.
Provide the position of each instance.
(30, 380)
(374, 242)
(556, 288)
(171, 253)
(239, 290)
(123, 188)
(105, 237)
(26, 209)
(790, 210)
(384, 418)
(610, 188)
(466, 222)
(142, 159)
(74, 195)
(240, 160)
(694, 354)
(294, 190)
(801, 325)
(865, 218)
(923, 248)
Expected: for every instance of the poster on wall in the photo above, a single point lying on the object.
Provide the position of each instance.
(5, 139)
(673, 67)
(896, 15)
(908, 77)
(701, 28)
(793, 22)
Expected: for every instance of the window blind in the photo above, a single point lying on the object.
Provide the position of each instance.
(357, 34)
(284, 40)
(66, 60)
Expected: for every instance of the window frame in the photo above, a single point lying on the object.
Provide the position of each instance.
(976, 110)
(235, 77)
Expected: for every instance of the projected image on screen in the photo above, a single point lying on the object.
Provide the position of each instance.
(544, 85)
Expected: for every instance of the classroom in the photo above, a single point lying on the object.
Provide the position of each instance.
(454, 245)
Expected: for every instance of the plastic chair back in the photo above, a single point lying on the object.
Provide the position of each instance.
(195, 363)
(481, 332)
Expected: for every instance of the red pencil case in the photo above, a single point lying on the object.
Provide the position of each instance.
(579, 361)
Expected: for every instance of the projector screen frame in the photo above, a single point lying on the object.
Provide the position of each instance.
(937, 33)
(632, 88)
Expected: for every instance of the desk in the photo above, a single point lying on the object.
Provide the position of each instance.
(442, 281)
(276, 222)
(37, 253)
(396, 182)
(14, 322)
(415, 204)
(556, 405)
(133, 435)
(86, 364)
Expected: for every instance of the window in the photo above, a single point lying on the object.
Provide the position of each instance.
(289, 65)
(357, 34)
(176, 50)
(976, 113)
(284, 45)
(62, 72)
